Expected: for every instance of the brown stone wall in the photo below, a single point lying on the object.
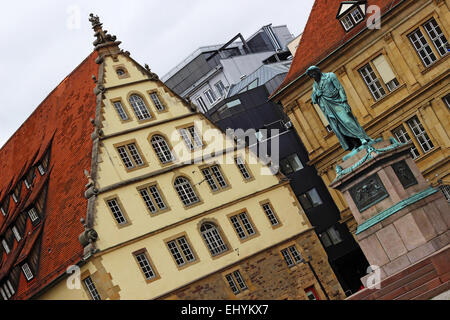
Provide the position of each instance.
(269, 278)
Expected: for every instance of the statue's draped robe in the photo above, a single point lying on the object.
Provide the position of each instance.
(330, 96)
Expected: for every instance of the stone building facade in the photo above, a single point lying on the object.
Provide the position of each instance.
(396, 79)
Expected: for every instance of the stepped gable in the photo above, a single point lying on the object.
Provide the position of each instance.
(324, 34)
(61, 124)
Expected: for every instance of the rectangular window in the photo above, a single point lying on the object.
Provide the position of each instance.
(421, 135)
(236, 282)
(372, 82)
(220, 88)
(211, 96)
(422, 47)
(27, 184)
(446, 191)
(437, 36)
(91, 289)
(311, 199)
(191, 138)
(357, 16)
(447, 100)
(402, 136)
(145, 266)
(233, 103)
(120, 111)
(41, 169)
(16, 234)
(158, 104)
(130, 156)
(5, 246)
(181, 251)
(214, 177)
(311, 294)
(242, 225)
(27, 272)
(243, 168)
(331, 237)
(347, 23)
(32, 213)
(117, 212)
(153, 199)
(15, 198)
(291, 256)
(291, 164)
(201, 103)
(270, 214)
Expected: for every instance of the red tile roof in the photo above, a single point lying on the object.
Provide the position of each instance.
(324, 34)
(64, 116)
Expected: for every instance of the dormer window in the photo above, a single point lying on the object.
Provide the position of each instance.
(351, 13)
(41, 169)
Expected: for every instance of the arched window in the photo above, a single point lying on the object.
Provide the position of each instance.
(185, 191)
(139, 107)
(162, 149)
(213, 239)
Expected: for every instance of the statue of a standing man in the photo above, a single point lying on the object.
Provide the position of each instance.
(329, 94)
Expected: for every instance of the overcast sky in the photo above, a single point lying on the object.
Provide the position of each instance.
(43, 41)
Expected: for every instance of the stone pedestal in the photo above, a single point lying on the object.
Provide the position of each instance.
(401, 219)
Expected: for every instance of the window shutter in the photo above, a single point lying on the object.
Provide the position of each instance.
(384, 69)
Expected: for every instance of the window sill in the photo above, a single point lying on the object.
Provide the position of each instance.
(380, 101)
(434, 64)
(428, 154)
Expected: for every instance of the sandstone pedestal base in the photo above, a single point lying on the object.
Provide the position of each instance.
(401, 219)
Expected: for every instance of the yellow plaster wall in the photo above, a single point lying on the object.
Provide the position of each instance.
(134, 286)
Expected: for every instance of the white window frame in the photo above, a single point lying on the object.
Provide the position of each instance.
(420, 134)
(186, 192)
(118, 106)
(437, 39)
(92, 290)
(373, 83)
(214, 241)
(181, 251)
(16, 233)
(146, 266)
(191, 138)
(201, 103)
(27, 272)
(140, 108)
(157, 102)
(421, 45)
(211, 96)
(152, 195)
(267, 207)
(33, 214)
(5, 246)
(162, 149)
(243, 168)
(117, 212)
(403, 137)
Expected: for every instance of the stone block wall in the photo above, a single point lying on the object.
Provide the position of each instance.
(268, 277)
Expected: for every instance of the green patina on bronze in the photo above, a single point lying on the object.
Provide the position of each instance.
(396, 208)
(329, 94)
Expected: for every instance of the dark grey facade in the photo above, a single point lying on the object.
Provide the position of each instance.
(249, 108)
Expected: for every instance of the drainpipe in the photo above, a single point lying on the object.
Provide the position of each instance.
(315, 276)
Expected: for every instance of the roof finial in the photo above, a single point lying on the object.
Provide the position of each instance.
(103, 38)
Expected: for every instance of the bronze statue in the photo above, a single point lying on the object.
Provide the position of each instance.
(329, 94)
